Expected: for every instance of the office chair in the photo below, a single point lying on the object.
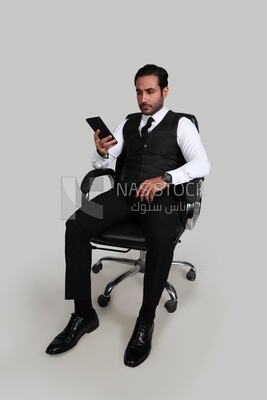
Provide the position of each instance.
(128, 234)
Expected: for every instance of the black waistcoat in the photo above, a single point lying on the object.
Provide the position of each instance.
(159, 154)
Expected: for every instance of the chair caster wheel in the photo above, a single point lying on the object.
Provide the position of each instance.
(170, 306)
(103, 300)
(97, 267)
(191, 275)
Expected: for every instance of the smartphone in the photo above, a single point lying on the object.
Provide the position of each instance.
(98, 123)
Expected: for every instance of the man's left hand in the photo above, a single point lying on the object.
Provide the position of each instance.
(149, 187)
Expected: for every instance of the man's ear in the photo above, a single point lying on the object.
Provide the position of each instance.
(165, 91)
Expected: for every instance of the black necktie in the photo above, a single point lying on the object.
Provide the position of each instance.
(145, 128)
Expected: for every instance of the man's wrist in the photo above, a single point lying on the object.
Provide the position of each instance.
(102, 155)
(166, 177)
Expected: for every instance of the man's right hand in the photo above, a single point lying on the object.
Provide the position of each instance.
(103, 145)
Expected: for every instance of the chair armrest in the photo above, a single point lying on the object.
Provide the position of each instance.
(192, 190)
(95, 173)
(192, 198)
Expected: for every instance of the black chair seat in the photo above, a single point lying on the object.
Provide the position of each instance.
(127, 234)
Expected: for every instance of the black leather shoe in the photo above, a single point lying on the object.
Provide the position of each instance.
(69, 337)
(139, 346)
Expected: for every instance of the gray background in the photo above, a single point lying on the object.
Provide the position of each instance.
(63, 61)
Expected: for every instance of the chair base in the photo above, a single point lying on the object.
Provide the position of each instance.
(139, 266)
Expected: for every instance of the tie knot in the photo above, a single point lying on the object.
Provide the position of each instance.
(149, 122)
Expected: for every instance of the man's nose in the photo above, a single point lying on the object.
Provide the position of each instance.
(144, 97)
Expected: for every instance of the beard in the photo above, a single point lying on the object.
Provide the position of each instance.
(150, 109)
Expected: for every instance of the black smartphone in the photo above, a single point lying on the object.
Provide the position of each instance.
(98, 123)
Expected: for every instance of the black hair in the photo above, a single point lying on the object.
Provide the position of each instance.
(152, 69)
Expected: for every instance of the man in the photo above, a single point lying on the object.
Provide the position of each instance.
(162, 149)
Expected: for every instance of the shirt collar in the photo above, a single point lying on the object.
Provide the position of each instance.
(158, 116)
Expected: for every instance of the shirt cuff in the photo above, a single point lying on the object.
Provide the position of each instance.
(179, 176)
(98, 161)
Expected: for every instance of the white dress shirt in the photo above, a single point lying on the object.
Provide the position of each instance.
(197, 164)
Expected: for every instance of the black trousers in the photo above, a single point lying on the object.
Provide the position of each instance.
(158, 220)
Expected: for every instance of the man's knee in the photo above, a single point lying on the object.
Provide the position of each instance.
(79, 224)
(72, 224)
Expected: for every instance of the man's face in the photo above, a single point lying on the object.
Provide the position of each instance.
(150, 97)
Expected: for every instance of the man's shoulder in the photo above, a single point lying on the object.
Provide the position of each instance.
(190, 117)
(133, 115)
(132, 120)
(182, 114)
